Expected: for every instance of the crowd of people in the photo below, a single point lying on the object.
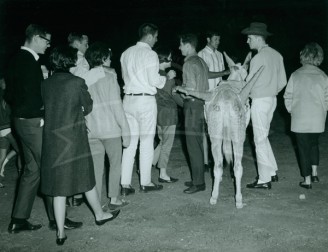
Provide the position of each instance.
(68, 118)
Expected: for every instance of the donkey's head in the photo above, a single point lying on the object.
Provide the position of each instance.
(238, 72)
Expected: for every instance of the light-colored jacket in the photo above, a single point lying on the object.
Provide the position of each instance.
(306, 98)
(107, 119)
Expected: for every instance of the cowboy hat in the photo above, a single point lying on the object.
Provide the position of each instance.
(256, 29)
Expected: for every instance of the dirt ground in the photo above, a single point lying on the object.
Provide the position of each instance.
(169, 220)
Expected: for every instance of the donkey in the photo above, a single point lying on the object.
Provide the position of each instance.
(226, 119)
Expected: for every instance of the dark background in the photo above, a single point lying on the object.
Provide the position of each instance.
(293, 23)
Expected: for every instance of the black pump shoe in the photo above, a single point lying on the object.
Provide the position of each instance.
(102, 222)
(61, 241)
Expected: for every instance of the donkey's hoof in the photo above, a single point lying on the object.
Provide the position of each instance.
(213, 201)
(239, 205)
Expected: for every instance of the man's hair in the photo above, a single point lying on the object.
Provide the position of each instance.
(312, 54)
(189, 38)
(210, 34)
(75, 36)
(33, 30)
(62, 58)
(96, 53)
(146, 29)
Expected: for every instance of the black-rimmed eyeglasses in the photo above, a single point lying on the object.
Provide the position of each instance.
(47, 40)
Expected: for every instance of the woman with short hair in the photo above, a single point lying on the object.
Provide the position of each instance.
(66, 162)
(108, 127)
(306, 99)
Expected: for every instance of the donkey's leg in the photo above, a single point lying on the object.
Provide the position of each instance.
(238, 170)
(218, 168)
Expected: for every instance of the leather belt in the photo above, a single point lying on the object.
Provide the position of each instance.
(141, 94)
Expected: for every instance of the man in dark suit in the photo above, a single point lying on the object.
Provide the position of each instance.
(24, 96)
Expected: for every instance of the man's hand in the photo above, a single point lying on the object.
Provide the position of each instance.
(126, 141)
(226, 72)
(180, 89)
(171, 74)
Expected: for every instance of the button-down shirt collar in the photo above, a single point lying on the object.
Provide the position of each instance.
(210, 49)
(35, 55)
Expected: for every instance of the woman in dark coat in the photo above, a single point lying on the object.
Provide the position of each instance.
(67, 166)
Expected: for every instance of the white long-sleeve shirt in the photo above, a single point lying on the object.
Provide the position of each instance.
(215, 63)
(273, 77)
(140, 70)
(82, 66)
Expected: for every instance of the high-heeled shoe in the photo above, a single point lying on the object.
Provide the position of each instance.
(102, 222)
(61, 241)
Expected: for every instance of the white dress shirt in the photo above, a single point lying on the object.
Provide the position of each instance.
(82, 66)
(140, 70)
(215, 63)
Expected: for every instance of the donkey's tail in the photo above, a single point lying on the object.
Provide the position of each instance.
(227, 137)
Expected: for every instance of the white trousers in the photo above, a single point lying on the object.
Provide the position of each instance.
(141, 114)
(262, 110)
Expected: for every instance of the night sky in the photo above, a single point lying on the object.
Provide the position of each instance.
(293, 23)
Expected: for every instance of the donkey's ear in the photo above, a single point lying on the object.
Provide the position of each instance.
(247, 60)
(228, 60)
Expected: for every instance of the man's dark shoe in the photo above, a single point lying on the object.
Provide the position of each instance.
(155, 187)
(126, 191)
(195, 188)
(69, 224)
(256, 185)
(274, 178)
(188, 184)
(171, 180)
(77, 201)
(14, 228)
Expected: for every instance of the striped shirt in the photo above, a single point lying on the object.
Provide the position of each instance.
(215, 63)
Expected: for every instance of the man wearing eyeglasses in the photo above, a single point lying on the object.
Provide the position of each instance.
(24, 96)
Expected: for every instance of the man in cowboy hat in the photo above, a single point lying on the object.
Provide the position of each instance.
(264, 100)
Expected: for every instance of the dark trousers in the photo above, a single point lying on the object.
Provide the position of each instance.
(308, 150)
(194, 131)
(29, 133)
